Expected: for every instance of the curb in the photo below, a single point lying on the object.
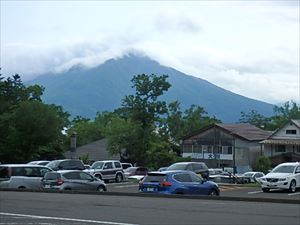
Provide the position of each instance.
(147, 195)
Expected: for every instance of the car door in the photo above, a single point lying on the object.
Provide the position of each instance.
(188, 186)
(87, 181)
(198, 185)
(72, 181)
(108, 171)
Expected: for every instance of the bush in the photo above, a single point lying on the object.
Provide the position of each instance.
(263, 164)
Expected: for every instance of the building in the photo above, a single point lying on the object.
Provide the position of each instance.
(284, 144)
(96, 151)
(226, 145)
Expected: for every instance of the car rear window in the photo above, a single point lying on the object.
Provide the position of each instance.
(155, 178)
(51, 176)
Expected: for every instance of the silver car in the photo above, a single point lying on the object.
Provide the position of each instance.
(72, 180)
(22, 176)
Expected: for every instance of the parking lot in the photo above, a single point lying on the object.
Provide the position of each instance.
(227, 190)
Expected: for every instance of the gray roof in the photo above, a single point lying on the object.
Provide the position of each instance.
(245, 131)
(96, 150)
(296, 122)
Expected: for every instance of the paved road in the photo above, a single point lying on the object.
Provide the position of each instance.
(36, 208)
(226, 190)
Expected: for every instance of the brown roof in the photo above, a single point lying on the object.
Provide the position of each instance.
(245, 131)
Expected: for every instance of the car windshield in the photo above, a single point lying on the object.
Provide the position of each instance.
(97, 165)
(283, 169)
(177, 167)
(53, 164)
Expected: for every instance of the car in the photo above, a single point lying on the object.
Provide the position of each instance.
(177, 182)
(66, 164)
(107, 170)
(199, 168)
(285, 176)
(162, 168)
(126, 165)
(39, 162)
(251, 177)
(135, 171)
(72, 180)
(22, 176)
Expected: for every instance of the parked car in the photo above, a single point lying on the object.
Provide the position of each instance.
(251, 177)
(39, 162)
(285, 176)
(22, 176)
(135, 171)
(199, 168)
(126, 165)
(177, 182)
(66, 164)
(72, 180)
(161, 169)
(107, 170)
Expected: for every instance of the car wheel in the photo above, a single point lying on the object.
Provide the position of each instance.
(293, 186)
(101, 189)
(119, 178)
(98, 176)
(265, 189)
(213, 192)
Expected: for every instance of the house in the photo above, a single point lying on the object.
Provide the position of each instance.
(284, 144)
(96, 151)
(225, 145)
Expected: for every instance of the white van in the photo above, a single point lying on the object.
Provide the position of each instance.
(22, 176)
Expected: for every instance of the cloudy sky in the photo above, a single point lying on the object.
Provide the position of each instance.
(250, 47)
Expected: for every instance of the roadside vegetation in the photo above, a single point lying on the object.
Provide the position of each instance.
(144, 130)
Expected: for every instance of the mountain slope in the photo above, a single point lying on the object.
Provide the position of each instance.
(84, 91)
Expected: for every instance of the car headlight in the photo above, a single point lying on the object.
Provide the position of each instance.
(281, 179)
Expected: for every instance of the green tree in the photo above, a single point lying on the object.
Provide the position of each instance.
(263, 164)
(141, 115)
(256, 119)
(28, 127)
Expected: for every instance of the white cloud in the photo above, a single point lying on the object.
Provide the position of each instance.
(249, 48)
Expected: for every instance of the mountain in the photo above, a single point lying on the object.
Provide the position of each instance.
(85, 92)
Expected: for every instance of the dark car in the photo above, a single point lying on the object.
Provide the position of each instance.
(66, 164)
(72, 180)
(199, 168)
(177, 182)
(133, 171)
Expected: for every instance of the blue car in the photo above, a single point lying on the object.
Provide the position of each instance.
(177, 182)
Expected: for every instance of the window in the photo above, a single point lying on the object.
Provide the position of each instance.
(195, 178)
(117, 164)
(85, 176)
(280, 148)
(184, 177)
(291, 131)
(72, 176)
(108, 166)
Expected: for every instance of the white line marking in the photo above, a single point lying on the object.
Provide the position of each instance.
(65, 219)
(125, 186)
(297, 193)
(254, 192)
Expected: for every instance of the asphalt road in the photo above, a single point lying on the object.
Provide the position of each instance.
(37, 208)
(226, 190)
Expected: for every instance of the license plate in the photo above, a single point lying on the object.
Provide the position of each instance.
(150, 189)
(47, 186)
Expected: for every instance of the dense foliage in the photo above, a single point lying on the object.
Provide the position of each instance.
(282, 114)
(29, 128)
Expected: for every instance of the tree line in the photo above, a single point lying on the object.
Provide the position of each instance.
(144, 130)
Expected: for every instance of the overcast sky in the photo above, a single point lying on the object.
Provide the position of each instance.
(250, 48)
